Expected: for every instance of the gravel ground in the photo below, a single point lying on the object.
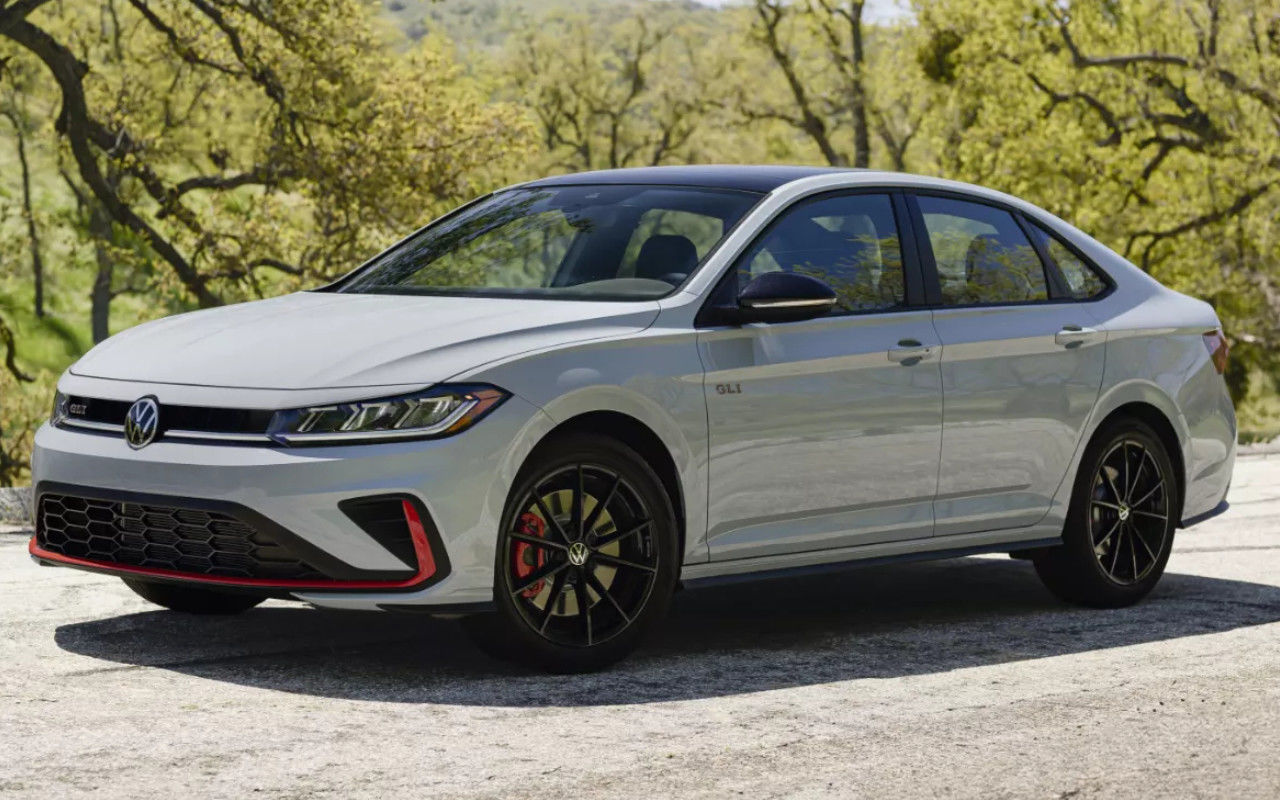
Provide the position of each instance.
(951, 679)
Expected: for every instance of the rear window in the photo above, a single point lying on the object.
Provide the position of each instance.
(1082, 280)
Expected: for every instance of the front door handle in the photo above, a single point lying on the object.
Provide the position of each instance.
(910, 351)
(1074, 335)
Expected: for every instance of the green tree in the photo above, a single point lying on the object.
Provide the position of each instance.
(841, 82)
(235, 136)
(639, 91)
(194, 152)
(1154, 126)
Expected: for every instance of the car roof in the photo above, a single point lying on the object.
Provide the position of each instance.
(751, 178)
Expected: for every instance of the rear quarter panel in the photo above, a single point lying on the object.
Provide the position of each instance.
(1156, 355)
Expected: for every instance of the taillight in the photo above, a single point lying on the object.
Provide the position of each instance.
(1216, 343)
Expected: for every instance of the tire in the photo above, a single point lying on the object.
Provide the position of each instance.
(192, 599)
(1119, 528)
(616, 556)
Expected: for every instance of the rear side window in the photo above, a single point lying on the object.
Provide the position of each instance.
(1082, 280)
(981, 253)
(848, 241)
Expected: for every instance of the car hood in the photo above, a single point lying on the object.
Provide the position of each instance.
(318, 339)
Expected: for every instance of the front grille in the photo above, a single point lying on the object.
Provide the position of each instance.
(161, 537)
(201, 419)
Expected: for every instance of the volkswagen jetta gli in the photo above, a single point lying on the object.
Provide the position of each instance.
(548, 409)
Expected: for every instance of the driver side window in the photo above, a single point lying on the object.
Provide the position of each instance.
(850, 242)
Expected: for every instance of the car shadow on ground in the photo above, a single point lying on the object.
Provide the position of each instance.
(873, 622)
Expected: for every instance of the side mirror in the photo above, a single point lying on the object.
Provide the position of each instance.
(784, 297)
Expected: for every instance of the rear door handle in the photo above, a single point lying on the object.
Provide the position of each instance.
(910, 351)
(1074, 335)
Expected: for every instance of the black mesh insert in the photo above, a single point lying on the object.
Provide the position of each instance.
(188, 418)
(162, 537)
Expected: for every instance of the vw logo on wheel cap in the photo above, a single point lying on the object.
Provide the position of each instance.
(578, 554)
(142, 422)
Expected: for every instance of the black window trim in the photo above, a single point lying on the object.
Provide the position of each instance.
(1055, 284)
(914, 283)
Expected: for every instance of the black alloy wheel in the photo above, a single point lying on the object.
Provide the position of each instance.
(585, 561)
(1129, 512)
(1119, 527)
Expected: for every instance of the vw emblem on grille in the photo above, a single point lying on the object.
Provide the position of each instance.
(142, 422)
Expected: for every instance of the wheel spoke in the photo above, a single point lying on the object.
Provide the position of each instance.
(1147, 496)
(1137, 477)
(579, 497)
(594, 517)
(1115, 552)
(605, 541)
(1124, 456)
(548, 516)
(1104, 539)
(541, 575)
(536, 541)
(1151, 514)
(1138, 534)
(622, 562)
(1133, 554)
(580, 591)
(557, 589)
(1105, 504)
(595, 583)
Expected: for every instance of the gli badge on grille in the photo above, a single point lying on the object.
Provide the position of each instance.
(142, 422)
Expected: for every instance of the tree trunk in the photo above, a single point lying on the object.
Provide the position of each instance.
(28, 210)
(858, 89)
(100, 294)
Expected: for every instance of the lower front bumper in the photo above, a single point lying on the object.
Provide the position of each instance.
(459, 483)
(189, 531)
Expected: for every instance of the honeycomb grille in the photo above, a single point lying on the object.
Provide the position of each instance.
(160, 537)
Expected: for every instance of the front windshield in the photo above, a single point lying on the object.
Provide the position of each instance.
(609, 242)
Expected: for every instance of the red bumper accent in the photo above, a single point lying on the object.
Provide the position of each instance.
(417, 532)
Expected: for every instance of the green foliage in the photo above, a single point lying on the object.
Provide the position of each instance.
(232, 149)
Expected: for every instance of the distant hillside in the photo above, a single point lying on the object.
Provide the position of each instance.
(487, 23)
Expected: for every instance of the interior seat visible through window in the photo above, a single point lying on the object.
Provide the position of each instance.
(981, 254)
(850, 242)
(666, 257)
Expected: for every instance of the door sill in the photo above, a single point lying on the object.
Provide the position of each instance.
(816, 562)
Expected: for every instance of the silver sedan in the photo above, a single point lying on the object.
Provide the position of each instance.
(546, 410)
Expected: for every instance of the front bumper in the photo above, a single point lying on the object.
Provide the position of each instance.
(460, 483)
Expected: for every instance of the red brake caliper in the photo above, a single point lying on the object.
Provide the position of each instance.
(529, 558)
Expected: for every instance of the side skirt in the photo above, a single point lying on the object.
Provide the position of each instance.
(764, 572)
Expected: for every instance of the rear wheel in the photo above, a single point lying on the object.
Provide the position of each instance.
(586, 559)
(1119, 530)
(192, 599)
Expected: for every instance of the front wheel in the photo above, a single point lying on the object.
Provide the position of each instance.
(586, 560)
(1119, 529)
(192, 599)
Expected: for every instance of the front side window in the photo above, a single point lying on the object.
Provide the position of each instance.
(981, 253)
(850, 242)
(607, 242)
(1082, 280)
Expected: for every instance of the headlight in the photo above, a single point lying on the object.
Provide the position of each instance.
(59, 408)
(438, 411)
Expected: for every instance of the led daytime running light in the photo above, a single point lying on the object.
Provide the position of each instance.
(438, 411)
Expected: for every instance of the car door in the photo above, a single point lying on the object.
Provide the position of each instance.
(1021, 365)
(825, 433)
